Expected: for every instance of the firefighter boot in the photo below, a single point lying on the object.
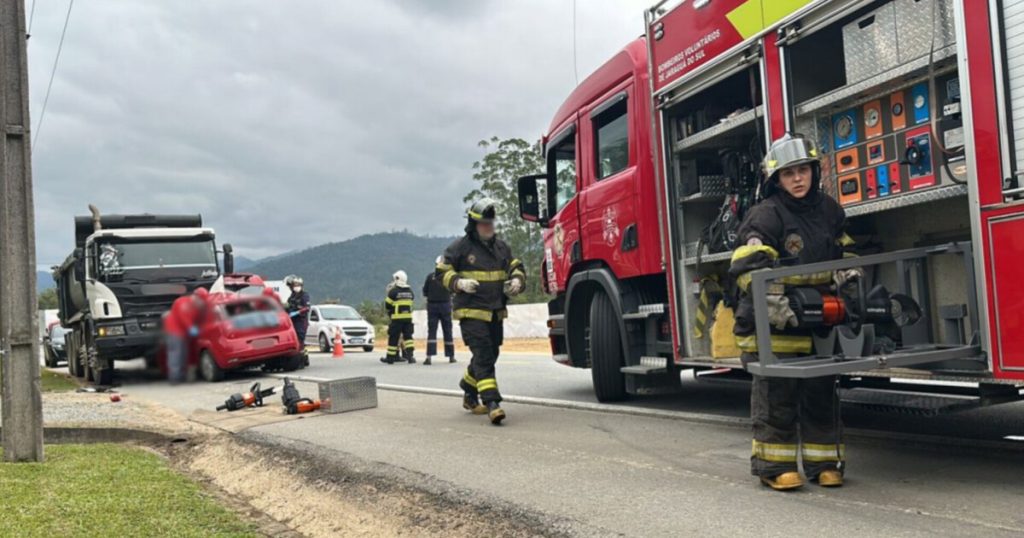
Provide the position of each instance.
(784, 481)
(451, 359)
(426, 362)
(387, 360)
(471, 403)
(830, 478)
(495, 413)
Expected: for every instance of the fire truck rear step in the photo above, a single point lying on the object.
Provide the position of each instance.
(647, 366)
(909, 403)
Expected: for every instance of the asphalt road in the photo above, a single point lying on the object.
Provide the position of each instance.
(617, 474)
(538, 376)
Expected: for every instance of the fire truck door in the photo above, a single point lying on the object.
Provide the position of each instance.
(564, 248)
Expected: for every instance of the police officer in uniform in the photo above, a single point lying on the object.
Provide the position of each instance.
(439, 311)
(398, 305)
(480, 270)
(796, 223)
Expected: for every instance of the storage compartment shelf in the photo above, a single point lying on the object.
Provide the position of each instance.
(701, 197)
(691, 256)
(731, 125)
(904, 200)
(909, 69)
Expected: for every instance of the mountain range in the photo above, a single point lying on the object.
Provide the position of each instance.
(350, 271)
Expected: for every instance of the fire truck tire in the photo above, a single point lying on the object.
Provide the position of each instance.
(606, 351)
(209, 368)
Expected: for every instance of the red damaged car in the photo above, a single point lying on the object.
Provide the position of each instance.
(242, 331)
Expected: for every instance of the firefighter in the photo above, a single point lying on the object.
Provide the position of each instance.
(398, 305)
(298, 306)
(480, 270)
(439, 310)
(796, 223)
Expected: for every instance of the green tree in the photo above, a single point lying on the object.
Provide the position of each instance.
(373, 312)
(496, 174)
(48, 299)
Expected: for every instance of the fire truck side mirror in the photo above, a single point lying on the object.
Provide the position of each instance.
(229, 259)
(530, 200)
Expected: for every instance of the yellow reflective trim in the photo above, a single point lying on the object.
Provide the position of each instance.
(473, 313)
(484, 276)
(404, 302)
(518, 273)
(781, 343)
(811, 279)
(746, 18)
(446, 279)
(776, 452)
(819, 453)
(749, 250)
(444, 267)
(409, 344)
(401, 315)
(475, 215)
(487, 384)
(515, 262)
(469, 378)
(389, 300)
(846, 241)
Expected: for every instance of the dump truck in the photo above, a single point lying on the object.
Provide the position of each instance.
(122, 277)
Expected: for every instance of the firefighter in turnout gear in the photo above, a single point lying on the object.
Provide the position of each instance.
(439, 311)
(480, 270)
(398, 305)
(796, 223)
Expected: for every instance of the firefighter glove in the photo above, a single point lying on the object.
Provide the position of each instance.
(780, 315)
(513, 287)
(842, 277)
(467, 285)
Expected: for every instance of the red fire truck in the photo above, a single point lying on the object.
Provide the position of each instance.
(917, 108)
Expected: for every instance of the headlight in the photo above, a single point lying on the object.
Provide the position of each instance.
(113, 330)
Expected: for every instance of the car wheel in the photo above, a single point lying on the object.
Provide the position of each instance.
(606, 351)
(49, 357)
(295, 362)
(325, 344)
(368, 349)
(209, 368)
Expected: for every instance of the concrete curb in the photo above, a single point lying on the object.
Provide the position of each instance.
(59, 435)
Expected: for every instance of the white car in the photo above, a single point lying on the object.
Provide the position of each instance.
(327, 319)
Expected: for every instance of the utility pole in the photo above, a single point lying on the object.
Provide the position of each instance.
(22, 402)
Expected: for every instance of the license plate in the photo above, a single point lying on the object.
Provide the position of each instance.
(355, 340)
(263, 343)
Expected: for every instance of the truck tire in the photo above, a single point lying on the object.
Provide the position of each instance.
(49, 357)
(325, 344)
(103, 375)
(606, 351)
(76, 362)
(209, 368)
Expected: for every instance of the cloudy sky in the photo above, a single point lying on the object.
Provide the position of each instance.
(291, 124)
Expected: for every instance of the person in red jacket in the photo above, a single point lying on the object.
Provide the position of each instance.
(181, 325)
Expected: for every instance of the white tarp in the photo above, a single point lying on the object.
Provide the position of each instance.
(524, 321)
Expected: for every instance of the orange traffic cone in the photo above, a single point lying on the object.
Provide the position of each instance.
(339, 349)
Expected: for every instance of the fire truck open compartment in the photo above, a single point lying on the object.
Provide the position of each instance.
(876, 85)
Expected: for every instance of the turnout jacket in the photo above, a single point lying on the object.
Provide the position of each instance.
(488, 262)
(398, 303)
(792, 232)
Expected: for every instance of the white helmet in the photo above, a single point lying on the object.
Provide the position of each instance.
(439, 260)
(400, 277)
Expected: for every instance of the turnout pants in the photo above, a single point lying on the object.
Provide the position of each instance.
(440, 313)
(795, 417)
(483, 338)
(400, 329)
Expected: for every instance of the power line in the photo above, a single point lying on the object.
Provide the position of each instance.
(53, 72)
(31, 17)
(575, 71)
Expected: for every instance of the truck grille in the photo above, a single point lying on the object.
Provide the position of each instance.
(140, 305)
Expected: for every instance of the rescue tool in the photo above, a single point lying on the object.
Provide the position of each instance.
(294, 403)
(253, 398)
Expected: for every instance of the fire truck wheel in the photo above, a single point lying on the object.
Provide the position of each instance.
(208, 367)
(606, 351)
